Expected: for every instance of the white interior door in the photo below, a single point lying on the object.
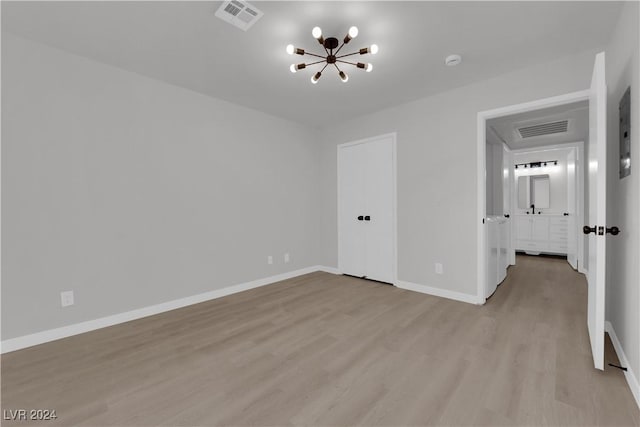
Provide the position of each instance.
(572, 226)
(351, 202)
(597, 209)
(379, 201)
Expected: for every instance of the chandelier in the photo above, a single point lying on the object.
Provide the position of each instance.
(332, 50)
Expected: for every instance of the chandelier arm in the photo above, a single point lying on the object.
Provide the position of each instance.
(347, 62)
(313, 54)
(314, 63)
(340, 48)
(348, 54)
(326, 65)
(337, 68)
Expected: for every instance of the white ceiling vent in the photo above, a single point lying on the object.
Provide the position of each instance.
(239, 13)
(543, 129)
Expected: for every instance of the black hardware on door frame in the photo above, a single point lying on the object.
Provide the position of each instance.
(600, 230)
(507, 215)
(566, 214)
(360, 218)
(614, 231)
(367, 218)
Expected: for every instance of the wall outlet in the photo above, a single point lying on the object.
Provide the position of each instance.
(269, 260)
(439, 268)
(66, 298)
(286, 257)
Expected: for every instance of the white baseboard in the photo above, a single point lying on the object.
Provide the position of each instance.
(444, 293)
(326, 269)
(103, 322)
(632, 380)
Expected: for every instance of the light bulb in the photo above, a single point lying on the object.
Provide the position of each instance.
(369, 68)
(353, 32)
(373, 49)
(316, 77)
(290, 49)
(316, 32)
(343, 76)
(293, 68)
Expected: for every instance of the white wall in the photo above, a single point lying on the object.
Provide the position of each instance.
(437, 168)
(133, 192)
(623, 206)
(557, 177)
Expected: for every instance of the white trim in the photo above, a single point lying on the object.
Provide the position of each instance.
(481, 135)
(481, 182)
(631, 378)
(438, 292)
(394, 196)
(326, 269)
(25, 341)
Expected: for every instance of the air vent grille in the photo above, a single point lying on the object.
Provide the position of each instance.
(239, 14)
(232, 9)
(544, 129)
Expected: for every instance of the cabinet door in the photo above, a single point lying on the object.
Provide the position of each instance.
(379, 201)
(351, 203)
(523, 228)
(540, 229)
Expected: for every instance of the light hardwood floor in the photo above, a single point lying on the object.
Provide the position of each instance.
(333, 350)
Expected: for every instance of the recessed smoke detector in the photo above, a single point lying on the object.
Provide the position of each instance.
(239, 13)
(453, 60)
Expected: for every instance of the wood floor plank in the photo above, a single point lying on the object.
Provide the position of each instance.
(322, 349)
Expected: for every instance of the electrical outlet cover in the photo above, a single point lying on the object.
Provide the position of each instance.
(66, 298)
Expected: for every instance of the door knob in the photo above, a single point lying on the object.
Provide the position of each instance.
(566, 214)
(367, 218)
(360, 218)
(613, 230)
(586, 229)
(507, 215)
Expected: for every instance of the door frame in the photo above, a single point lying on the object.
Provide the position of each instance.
(394, 196)
(482, 118)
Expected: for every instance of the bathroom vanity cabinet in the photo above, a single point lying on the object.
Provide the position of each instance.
(541, 233)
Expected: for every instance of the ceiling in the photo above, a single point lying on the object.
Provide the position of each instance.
(184, 44)
(505, 129)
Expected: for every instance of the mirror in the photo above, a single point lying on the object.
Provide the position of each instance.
(533, 190)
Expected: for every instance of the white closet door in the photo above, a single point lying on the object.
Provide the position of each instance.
(379, 201)
(351, 197)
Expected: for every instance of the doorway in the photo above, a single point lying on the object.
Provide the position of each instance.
(533, 166)
(596, 188)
